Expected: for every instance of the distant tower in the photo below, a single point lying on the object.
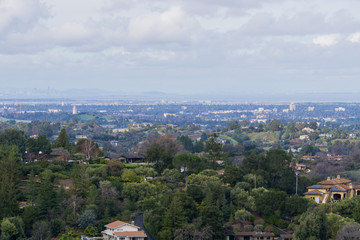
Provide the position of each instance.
(292, 107)
(74, 110)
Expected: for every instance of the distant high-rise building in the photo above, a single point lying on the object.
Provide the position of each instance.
(292, 107)
(74, 110)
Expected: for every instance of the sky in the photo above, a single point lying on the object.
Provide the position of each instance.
(181, 46)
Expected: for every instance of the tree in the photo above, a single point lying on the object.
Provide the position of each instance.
(269, 202)
(41, 230)
(86, 219)
(9, 176)
(186, 162)
(232, 175)
(56, 227)
(187, 143)
(213, 146)
(349, 231)
(212, 216)
(14, 137)
(8, 229)
(91, 231)
(88, 148)
(313, 224)
(63, 139)
(47, 198)
(242, 216)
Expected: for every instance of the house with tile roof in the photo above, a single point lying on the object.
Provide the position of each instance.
(332, 190)
(119, 230)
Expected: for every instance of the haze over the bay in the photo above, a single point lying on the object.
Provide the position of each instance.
(183, 47)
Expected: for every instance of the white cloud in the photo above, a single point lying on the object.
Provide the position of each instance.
(20, 14)
(172, 25)
(327, 40)
(354, 38)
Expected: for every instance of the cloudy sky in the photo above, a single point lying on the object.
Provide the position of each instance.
(181, 46)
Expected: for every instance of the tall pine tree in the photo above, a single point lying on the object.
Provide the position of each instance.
(63, 139)
(9, 177)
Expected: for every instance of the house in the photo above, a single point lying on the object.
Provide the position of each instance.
(119, 230)
(130, 158)
(332, 190)
(250, 236)
(304, 137)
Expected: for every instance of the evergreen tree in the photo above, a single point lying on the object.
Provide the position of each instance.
(63, 139)
(9, 172)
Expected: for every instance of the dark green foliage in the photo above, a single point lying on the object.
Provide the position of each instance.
(313, 224)
(14, 137)
(57, 226)
(269, 202)
(9, 179)
(41, 144)
(232, 175)
(63, 139)
(213, 147)
(47, 197)
(296, 205)
(213, 217)
(187, 143)
(187, 162)
(274, 169)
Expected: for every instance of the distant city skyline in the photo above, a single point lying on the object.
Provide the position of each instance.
(216, 48)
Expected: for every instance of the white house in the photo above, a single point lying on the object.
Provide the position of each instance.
(119, 230)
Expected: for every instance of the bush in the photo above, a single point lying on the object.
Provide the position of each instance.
(242, 216)
(249, 228)
(56, 227)
(259, 228)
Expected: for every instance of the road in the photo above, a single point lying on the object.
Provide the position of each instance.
(139, 221)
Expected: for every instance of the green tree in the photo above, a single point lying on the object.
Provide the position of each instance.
(9, 177)
(63, 139)
(213, 217)
(213, 147)
(269, 202)
(187, 143)
(86, 219)
(47, 198)
(232, 175)
(57, 226)
(8, 229)
(91, 231)
(313, 224)
(14, 137)
(186, 162)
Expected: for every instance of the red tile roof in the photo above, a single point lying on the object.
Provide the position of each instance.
(115, 224)
(131, 234)
(334, 181)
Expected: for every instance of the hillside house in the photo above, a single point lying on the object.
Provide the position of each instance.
(131, 158)
(334, 190)
(119, 230)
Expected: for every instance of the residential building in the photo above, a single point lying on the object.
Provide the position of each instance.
(250, 236)
(119, 230)
(334, 190)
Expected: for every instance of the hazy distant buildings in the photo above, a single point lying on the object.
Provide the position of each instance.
(292, 107)
(311, 109)
(340, 109)
(74, 110)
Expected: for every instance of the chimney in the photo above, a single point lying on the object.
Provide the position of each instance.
(350, 185)
(132, 222)
(328, 178)
(338, 176)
